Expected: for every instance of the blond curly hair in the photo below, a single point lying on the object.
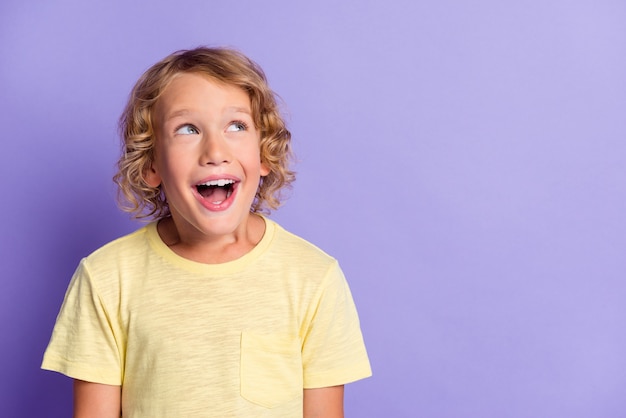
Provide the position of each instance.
(225, 65)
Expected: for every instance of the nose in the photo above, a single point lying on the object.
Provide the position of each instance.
(215, 150)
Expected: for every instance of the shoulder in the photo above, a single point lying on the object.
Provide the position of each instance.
(124, 243)
(115, 254)
(294, 247)
(300, 263)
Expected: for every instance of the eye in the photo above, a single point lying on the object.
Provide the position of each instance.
(187, 130)
(237, 126)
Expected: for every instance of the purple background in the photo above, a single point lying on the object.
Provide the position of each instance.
(463, 160)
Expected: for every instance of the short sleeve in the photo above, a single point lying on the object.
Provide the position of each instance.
(333, 350)
(86, 343)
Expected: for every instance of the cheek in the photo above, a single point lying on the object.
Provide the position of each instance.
(172, 160)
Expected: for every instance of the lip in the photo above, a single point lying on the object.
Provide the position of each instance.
(214, 177)
(226, 203)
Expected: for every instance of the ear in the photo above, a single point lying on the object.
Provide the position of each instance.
(265, 170)
(152, 176)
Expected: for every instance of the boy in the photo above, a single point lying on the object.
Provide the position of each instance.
(213, 309)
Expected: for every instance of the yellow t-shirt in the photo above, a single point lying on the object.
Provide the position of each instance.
(186, 339)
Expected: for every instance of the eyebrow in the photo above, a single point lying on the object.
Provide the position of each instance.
(177, 113)
(184, 112)
(240, 109)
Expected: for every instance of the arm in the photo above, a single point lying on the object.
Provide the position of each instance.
(323, 402)
(95, 400)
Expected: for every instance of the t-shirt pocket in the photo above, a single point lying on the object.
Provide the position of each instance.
(271, 369)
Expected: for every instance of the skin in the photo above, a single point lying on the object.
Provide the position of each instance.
(204, 130)
(323, 402)
(94, 400)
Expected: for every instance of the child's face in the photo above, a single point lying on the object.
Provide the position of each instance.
(207, 155)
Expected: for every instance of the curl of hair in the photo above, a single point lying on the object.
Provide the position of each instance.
(224, 65)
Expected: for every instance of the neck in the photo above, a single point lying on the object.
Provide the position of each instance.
(212, 249)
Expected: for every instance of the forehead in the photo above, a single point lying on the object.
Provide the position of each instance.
(196, 91)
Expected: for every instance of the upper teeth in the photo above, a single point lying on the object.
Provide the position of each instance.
(219, 183)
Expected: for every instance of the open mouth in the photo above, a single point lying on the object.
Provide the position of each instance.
(216, 191)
